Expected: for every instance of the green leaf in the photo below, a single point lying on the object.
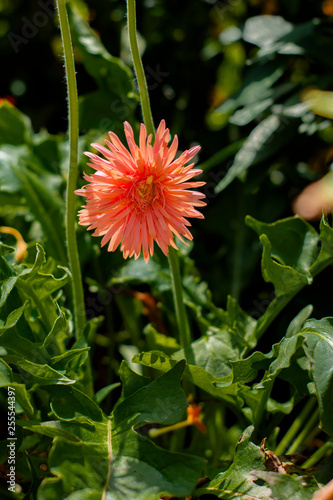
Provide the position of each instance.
(21, 395)
(294, 242)
(158, 342)
(280, 360)
(256, 87)
(34, 285)
(297, 323)
(264, 30)
(137, 271)
(291, 258)
(237, 481)
(46, 205)
(196, 374)
(265, 140)
(320, 102)
(105, 391)
(305, 38)
(131, 381)
(81, 405)
(5, 373)
(70, 360)
(15, 127)
(39, 374)
(51, 429)
(287, 486)
(319, 350)
(11, 156)
(214, 352)
(13, 333)
(114, 458)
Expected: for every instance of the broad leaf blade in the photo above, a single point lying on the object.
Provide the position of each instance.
(114, 458)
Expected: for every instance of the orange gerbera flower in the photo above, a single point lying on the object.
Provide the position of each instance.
(142, 195)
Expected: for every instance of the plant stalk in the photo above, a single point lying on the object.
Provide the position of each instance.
(182, 321)
(73, 118)
(304, 433)
(318, 455)
(298, 423)
(138, 67)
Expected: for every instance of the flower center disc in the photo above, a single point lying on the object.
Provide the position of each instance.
(146, 193)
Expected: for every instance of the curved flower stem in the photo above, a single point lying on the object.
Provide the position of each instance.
(182, 321)
(73, 257)
(138, 67)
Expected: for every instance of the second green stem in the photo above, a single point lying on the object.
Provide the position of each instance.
(182, 321)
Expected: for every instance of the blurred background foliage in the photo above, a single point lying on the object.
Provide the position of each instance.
(228, 75)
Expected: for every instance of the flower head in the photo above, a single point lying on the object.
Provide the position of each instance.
(141, 195)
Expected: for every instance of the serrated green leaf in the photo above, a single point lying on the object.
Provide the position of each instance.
(319, 349)
(214, 352)
(196, 374)
(286, 486)
(34, 286)
(283, 277)
(291, 258)
(70, 360)
(237, 481)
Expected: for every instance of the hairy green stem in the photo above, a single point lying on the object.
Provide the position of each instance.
(138, 67)
(73, 116)
(298, 423)
(182, 321)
